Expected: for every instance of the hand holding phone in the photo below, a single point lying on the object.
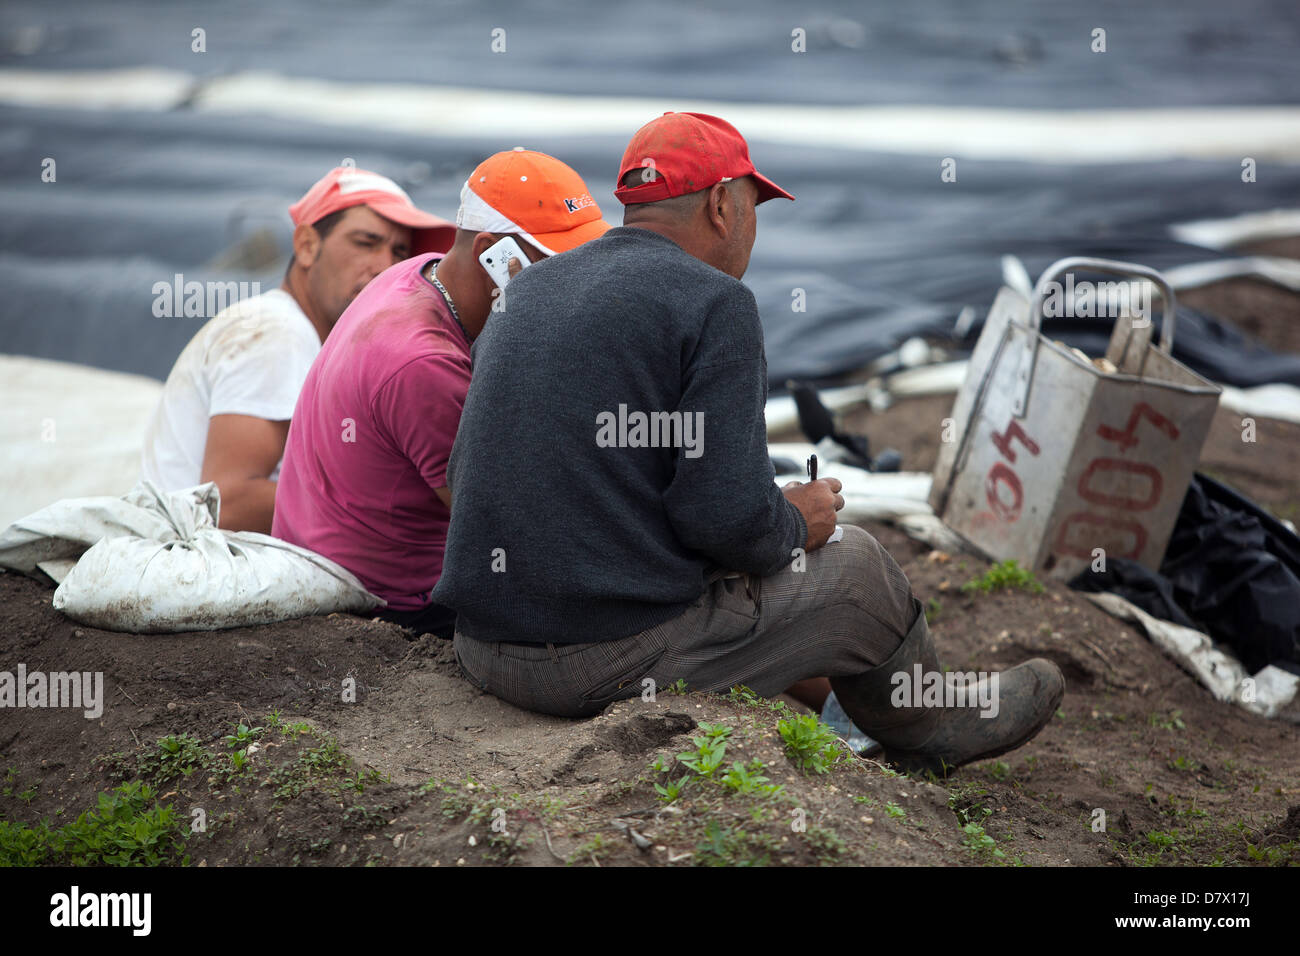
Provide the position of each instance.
(495, 259)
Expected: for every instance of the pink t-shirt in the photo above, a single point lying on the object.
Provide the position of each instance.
(371, 436)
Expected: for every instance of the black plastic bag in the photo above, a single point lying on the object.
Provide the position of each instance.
(1231, 569)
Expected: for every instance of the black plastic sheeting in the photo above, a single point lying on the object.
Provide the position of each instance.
(879, 246)
(1006, 53)
(1204, 343)
(1231, 570)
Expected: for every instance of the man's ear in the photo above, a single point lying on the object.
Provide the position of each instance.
(482, 242)
(306, 245)
(721, 209)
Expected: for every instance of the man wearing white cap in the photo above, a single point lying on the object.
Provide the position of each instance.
(224, 412)
(364, 476)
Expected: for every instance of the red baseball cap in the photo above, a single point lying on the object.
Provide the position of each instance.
(533, 195)
(346, 186)
(689, 152)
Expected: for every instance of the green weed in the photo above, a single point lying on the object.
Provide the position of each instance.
(243, 736)
(812, 745)
(740, 694)
(1007, 574)
(933, 608)
(979, 843)
(749, 779)
(173, 757)
(670, 791)
(710, 750)
(129, 827)
(732, 846)
(1173, 721)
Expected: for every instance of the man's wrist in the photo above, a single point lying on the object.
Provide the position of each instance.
(801, 528)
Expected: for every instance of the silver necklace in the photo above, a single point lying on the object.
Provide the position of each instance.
(433, 277)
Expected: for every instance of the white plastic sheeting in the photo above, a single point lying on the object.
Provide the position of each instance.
(868, 496)
(1233, 231)
(1043, 135)
(1276, 400)
(900, 498)
(1264, 693)
(68, 431)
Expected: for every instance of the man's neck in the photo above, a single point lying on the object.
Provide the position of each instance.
(677, 234)
(691, 239)
(469, 311)
(295, 283)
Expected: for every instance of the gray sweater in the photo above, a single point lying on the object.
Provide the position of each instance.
(612, 448)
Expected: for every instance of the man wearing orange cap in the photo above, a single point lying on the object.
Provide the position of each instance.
(224, 412)
(617, 524)
(364, 476)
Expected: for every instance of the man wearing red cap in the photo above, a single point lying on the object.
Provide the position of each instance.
(617, 524)
(224, 412)
(364, 475)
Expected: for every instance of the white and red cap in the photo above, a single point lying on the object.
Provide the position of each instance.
(531, 195)
(345, 186)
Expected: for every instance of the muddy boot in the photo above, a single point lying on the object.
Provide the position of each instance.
(888, 703)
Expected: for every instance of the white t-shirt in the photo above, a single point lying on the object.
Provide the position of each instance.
(249, 359)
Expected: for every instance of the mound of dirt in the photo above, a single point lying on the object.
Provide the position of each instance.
(364, 747)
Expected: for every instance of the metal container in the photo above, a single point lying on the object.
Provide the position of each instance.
(1058, 464)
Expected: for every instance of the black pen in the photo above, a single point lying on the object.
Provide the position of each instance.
(812, 468)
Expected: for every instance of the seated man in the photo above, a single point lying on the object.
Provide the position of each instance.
(616, 513)
(364, 476)
(224, 412)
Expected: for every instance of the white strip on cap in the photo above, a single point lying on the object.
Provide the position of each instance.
(476, 215)
(370, 182)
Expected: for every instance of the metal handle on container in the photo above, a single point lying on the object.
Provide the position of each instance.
(1025, 377)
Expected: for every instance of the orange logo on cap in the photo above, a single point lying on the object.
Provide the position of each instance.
(580, 202)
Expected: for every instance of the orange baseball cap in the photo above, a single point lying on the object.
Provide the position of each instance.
(688, 152)
(532, 195)
(346, 186)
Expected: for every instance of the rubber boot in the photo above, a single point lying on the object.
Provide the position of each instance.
(939, 739)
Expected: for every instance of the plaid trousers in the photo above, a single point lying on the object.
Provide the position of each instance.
(843, 613)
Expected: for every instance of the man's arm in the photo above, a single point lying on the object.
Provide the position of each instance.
(419, 410)
(240, 455)
(723, 500)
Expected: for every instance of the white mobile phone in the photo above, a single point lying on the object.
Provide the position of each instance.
(496, 260)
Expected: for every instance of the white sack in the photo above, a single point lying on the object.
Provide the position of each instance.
(156, 562)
